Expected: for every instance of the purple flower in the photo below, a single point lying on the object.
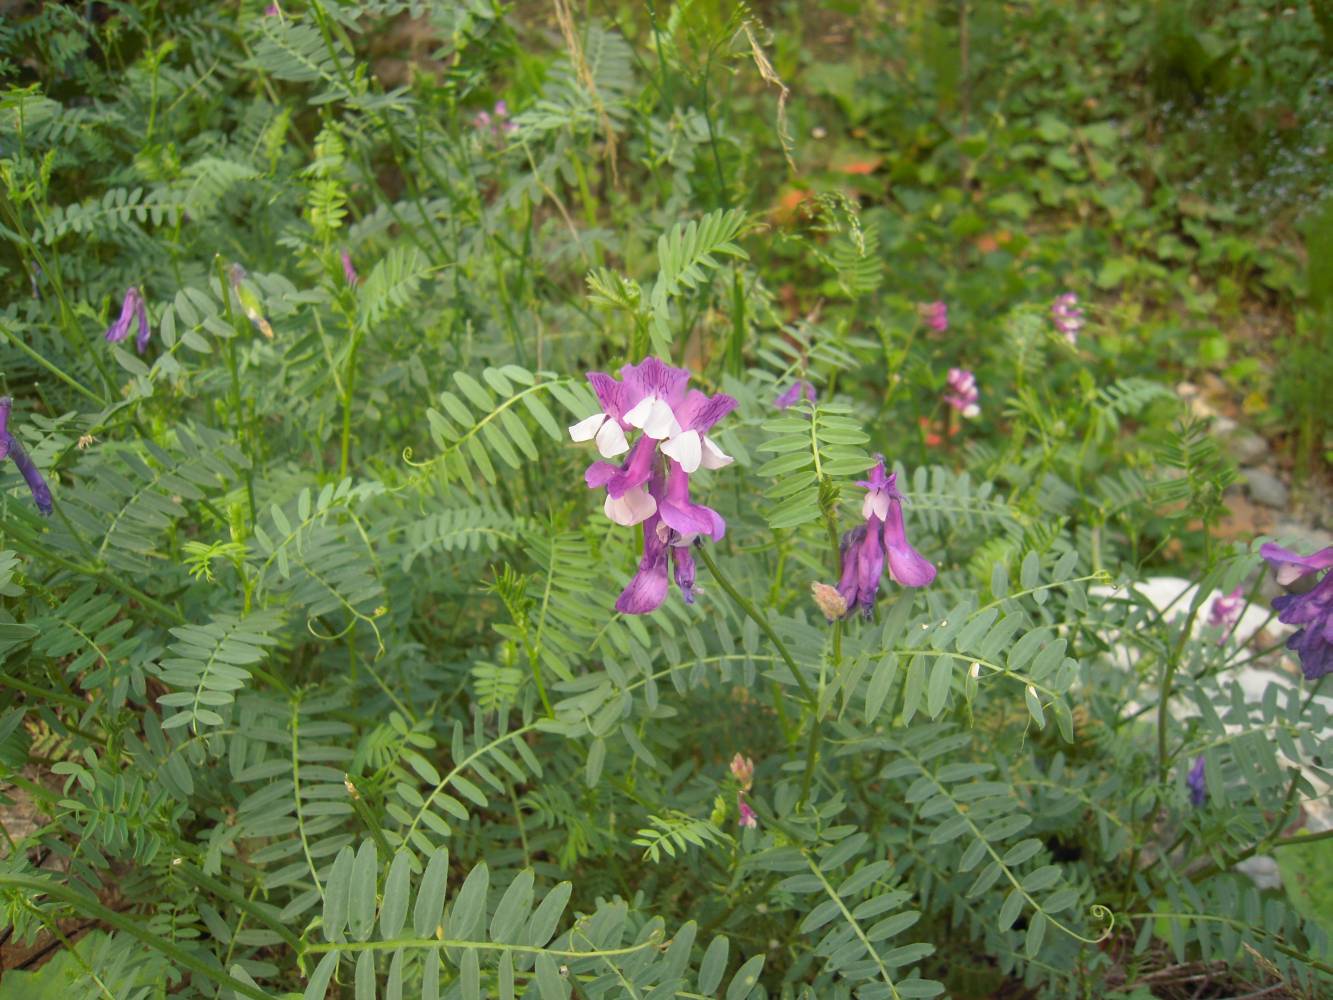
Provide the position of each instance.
(496, 120)
(866, 547)
(742, 769)
(798, 391)
(131, 309)
(1225, 611)
(648, 588)
(684, 517)
(652, 485)
(935, 315)
(271, 10)
(349, 271)
(12, 448)
(1197, 785)
(1067, 316)
(652, 398)
(963, 394)
(1313, 610)
(1288, 567)
(745, 815)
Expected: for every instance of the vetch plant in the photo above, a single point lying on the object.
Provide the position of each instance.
(321, 680)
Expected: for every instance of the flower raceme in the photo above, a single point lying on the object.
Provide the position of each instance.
(1225, 610)
(883, 536)
(1067, 316)
(1313, 610)
(935, 315)
(963, 394)
(651, 486)
(131, 309)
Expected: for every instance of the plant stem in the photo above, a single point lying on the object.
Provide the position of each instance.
(748, 607)
(135, 928)
(1169, 666)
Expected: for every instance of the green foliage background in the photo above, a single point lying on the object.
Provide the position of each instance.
(314, 684)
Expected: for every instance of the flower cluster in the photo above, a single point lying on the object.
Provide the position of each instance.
(742, 769)
(1067, 316)
(963, 395)
(131, 309)
(1313, 610)
(865, 548)
(1225, 610)
(11, 448)
(935, 315)
(652, 485)
(799, 390)
(496, 120)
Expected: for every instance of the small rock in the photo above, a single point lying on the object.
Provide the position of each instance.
(1247, 448)
(1223, 426)
(1266, 488)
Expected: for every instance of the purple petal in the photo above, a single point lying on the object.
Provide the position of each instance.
(41, 493)
(120, 329)
(349, 270)
(700, 411)
(1308, 608)
(610, 394)
(145, 331)
(636, 470)
(647, 590)
(1197, 783)
(869, 567)
(684, 560)
(849, 549)
(599, 474)
(907, 566)
(880, 482)
(6, 402)
(789, 397)
(684, 516)
(1289, 567)
(653, 377)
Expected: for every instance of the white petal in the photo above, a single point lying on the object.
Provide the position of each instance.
(713, 456)
(661, 422)
(635, 506)
(686, 449)
(877, 503)
(971, 411)
(584, 430)
(611, 440)
(639, 414)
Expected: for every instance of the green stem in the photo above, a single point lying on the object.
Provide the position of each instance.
(349, 387)
(1164, 694)
(748, 607)
(223, 891)
(436, 944)
(136, 928)
(55, 370)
